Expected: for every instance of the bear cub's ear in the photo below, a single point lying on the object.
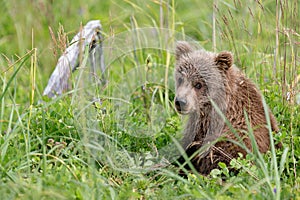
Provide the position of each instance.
(182, 48)
(224, 60)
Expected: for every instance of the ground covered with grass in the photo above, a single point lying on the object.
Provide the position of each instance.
(115, 140)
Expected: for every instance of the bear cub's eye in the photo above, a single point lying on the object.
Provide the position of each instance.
(198, 86)
(180, 80)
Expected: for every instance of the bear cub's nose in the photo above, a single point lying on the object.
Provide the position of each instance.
(180, 103)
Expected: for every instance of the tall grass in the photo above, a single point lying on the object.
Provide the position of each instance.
(75, 146)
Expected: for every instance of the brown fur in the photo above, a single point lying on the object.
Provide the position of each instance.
(203, 77)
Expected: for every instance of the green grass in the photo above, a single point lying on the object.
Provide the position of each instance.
(73, 148)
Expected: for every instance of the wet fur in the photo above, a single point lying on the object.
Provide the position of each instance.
(224, 84)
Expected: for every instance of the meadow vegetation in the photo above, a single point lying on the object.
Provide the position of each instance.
(115, 140)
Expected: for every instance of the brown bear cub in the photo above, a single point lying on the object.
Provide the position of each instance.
(207, 84)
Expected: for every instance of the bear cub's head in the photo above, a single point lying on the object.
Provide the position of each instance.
(199, 76)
